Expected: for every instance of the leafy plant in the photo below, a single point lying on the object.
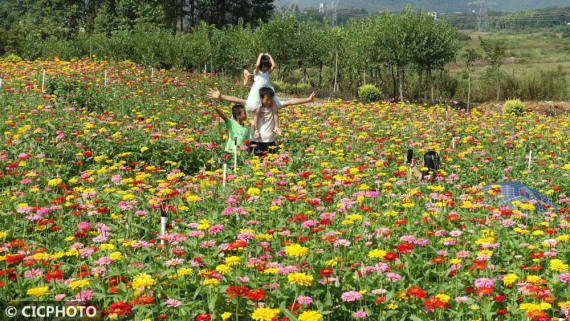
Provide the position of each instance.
(369, 93)
(513, 106)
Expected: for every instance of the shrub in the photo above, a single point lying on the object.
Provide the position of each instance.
(514, 106)
(12, 58)
(369, 93)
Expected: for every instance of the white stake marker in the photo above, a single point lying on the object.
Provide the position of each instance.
(163, 219)
(151, 72)
(529, 159)
(225, 170)
(43, 78)
(105, 77)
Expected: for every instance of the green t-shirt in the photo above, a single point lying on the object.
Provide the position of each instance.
(236, 130)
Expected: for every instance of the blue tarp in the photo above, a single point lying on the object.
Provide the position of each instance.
(515, 191)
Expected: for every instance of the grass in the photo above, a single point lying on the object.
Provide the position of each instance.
(526, 53)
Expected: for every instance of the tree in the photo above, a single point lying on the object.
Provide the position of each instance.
(494, 54)
(470, 55)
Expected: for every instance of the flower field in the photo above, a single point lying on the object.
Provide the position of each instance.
(327, 229)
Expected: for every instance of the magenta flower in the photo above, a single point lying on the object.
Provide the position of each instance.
(351, 296)
(359, 314)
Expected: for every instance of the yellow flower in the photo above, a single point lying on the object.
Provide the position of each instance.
(310, 316)
(78, 284)
(142, 280)
(233, 260)
(392, 306)
(558, 266)
(38, 291)
(211, 282)
(443, 297)
(226, 315)
(376, 253)
(296, 250)
(185, 271)
(107, 246)
(222, 269)
(54, 182)
(264, 314)
(3, 235)
(300, 278)
(116, 256)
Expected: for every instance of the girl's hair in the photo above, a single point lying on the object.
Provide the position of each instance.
(245, 65)
(264, 61)
(236, 110)
(431, 161)
(266, 91)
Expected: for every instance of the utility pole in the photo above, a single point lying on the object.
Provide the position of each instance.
(482, 7)
(333, 12)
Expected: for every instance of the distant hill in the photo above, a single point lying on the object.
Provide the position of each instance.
(444, 6)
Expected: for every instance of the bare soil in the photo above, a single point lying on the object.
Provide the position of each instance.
(550, 108)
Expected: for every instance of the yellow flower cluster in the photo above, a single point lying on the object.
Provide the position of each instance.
(143, 280)
(264, 314)
(300, 278)
(38, 291)
(535, 307)
(78, 284)
(558, 266)
(510, 279)
(377, 254)
(310, 316)
(296, 250)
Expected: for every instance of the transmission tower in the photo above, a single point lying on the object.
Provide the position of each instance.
(332, 11)
(482, 7)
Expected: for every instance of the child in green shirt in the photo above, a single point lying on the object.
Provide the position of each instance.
(237, 130)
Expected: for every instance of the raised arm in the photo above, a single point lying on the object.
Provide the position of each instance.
(215, 94)
(220, 113)
(257, 64)
(273, 65)
(298, 101)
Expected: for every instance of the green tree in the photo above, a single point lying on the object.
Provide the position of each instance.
(471, 55)
(494, 54)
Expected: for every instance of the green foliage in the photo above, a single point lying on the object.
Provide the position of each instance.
(88, 97)
(12, 58)
(514, 106)
(369, 93)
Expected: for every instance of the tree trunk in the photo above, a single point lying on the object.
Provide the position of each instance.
(420, 86)
(498, 83)
(394, 87)
(468, 88)
(320, 73)
(181, 16)
(401, 80)
(335, 71)
(364, 82)
(192, 12)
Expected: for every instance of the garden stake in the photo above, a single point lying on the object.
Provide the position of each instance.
(163, 219)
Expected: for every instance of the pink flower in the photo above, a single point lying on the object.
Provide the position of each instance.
(171, 303)
(304, 299)
(359, 314)
(484, 282)
(393, 277)
(351, 296)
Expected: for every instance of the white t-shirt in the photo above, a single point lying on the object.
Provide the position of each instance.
(265, 125)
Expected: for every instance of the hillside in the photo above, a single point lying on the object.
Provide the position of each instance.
(446, 6)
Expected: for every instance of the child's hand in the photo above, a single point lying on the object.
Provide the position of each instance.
(312, 96)
(213, 94)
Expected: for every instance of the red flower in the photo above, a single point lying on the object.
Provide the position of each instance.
(10, 259)
(484, 290)
(143, 300)
(54, 274)
(87, 153)
(390, 257)
(203, 317)
(120, 308)
(162, 316)
(501, 312)
(380, 300)
(256, 294)
(416, 292)
(499, 298)
(234, 291)
(326, 272)
(404, 247)
(438, 259)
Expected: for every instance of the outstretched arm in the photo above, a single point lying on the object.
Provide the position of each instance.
(219, 112)
(257, 64)
(215, 94)
(273, 65)
(298, 101)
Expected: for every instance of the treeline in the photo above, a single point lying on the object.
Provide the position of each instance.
(363, 51)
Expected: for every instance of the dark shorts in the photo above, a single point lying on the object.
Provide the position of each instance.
(264, 148)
